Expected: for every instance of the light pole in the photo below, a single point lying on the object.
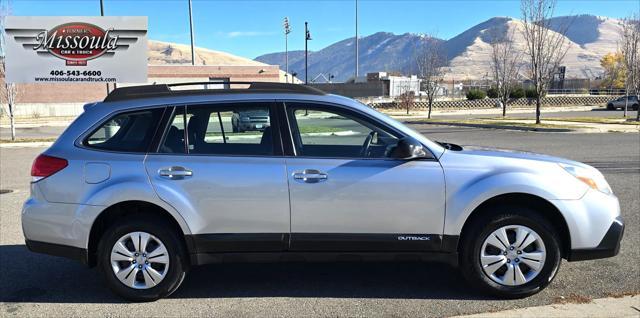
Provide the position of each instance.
(193, 53)
(287, 30)
(307, 37)
(102, 15)
(356, 41)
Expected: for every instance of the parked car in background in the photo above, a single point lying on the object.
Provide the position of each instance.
(250, 120)
(620, 102)
(152, 181)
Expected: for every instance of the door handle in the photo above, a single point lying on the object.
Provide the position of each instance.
(175, 173)
(310, 176)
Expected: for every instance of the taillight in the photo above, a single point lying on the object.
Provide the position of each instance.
(45, 166)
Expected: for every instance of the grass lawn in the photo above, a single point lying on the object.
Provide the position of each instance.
(497, 122)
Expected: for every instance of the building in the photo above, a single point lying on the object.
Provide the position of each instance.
(378, 84)
(396, 84)
(62, 99)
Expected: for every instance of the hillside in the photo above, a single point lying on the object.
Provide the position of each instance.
(380, 51)
(161, 53)
(589, 38)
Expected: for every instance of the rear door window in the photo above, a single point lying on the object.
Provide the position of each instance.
(126, 132)
(224, 129)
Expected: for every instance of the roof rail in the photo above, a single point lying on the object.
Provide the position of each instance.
(164, 90)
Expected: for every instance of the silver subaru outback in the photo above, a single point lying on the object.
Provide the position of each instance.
(154, 180)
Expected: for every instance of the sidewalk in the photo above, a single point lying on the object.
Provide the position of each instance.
(627, 306)
(401, 113)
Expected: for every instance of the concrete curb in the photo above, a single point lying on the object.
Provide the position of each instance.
(33, 144)
(628, 306)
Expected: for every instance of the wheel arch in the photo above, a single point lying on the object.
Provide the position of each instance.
(545, 208)
(125, 208)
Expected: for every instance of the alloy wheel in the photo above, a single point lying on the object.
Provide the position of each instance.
(512, 255)
(139, 260)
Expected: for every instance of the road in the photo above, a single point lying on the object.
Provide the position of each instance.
(40, 285)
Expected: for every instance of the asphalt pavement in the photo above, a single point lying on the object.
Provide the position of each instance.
(39, 285)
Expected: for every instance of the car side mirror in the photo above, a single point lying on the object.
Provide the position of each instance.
(408, 149)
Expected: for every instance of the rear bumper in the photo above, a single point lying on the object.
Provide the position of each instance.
(62, 224)
(70, 252)
(608, 247)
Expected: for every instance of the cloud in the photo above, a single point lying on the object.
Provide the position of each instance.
(238, 34)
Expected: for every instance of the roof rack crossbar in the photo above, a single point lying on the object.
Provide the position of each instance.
(163, 90)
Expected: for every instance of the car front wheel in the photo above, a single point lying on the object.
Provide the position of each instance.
(142, 259)
(513, 253)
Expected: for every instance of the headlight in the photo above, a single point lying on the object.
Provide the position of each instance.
(244, 118)
(590, 177)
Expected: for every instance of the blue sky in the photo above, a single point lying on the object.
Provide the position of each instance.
(251, 28)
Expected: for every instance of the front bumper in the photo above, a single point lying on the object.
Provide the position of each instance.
(608, 247)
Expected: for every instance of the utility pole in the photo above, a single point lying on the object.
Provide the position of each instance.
(287, 30)
(356, 41)
(307, 37)
(193, 53)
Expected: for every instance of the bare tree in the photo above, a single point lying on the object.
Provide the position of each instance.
(505, 64)
(629, 46)
(545, 48)
(405, 100)
(8, 91)
(431, 61)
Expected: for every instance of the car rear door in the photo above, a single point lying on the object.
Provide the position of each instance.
(231, 187)
(348, 198)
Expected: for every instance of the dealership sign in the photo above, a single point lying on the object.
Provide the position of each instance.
(76, 49)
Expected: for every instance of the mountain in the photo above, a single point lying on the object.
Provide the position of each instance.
(161, 53)
(588, 38)
(380, 51)
(172, 53)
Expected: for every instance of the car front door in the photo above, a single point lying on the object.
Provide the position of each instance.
(230, 186)
(346, 195)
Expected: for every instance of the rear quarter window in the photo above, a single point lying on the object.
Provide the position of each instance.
(126, 132)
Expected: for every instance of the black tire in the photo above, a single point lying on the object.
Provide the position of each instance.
(178, 263)
(479, 230)
(634, 107)
(610, 107)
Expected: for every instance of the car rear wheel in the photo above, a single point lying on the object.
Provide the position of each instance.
(512, 253)
(141, 259)
(634, 107)
(610, 107)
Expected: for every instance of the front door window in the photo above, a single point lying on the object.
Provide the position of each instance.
(323, 132)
